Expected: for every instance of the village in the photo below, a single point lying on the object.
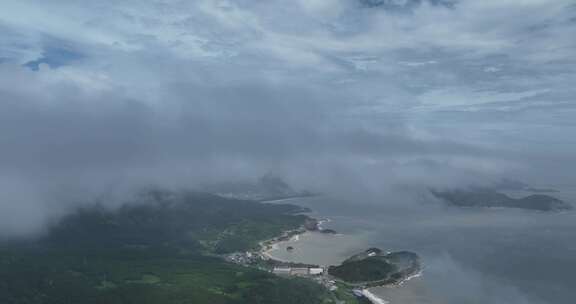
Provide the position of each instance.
(317, 273)
(262, 260)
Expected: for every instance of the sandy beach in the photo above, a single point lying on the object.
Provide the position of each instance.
(308, 242)
(269, 246)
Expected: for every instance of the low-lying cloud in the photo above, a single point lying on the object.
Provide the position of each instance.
(330, 94)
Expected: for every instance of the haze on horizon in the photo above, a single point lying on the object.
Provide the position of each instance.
(353, 96)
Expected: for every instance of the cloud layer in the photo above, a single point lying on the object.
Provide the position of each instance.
(329, 93)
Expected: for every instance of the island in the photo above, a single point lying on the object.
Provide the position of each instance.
(373, 268)
(487, 197)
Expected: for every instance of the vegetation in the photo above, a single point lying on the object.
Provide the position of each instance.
(185, 220)
(344, 294)
(153, 251)
(486, 197)
(374, 268)
(135, 276)
(367, 270)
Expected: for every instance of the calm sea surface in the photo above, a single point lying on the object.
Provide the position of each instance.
(470, 255)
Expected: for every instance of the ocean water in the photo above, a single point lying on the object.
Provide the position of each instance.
(469, 255)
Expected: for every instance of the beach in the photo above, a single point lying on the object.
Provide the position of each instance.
(465, 252)
(308, 247)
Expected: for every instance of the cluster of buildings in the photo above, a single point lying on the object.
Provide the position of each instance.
(327, 282)
(244, 258)
(316, 273)
(298, 271)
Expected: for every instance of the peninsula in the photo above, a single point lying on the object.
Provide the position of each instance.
(373, 268)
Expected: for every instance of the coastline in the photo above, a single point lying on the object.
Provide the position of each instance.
(273, 244)
(410, 277)
(372, 297)
(267, 246)
(357, 233)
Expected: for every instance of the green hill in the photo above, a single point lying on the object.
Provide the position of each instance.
(153, 250)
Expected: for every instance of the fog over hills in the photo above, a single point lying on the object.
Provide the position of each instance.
(99, 97)
(367, 102)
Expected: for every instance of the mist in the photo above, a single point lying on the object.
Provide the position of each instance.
(358, 98)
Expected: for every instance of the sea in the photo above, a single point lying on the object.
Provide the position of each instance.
(469, 255)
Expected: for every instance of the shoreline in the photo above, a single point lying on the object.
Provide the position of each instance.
(266, 249)
(372, 297)
(410, 277)
(273, 244)
(267, 246)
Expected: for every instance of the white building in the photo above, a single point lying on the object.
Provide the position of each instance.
(281, 270)
(299, 271)
(316, 271)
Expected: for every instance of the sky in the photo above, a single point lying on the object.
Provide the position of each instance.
(342, 95)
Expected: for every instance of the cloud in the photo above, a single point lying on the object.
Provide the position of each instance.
(180, 92)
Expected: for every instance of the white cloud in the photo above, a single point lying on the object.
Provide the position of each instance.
(284, 83)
